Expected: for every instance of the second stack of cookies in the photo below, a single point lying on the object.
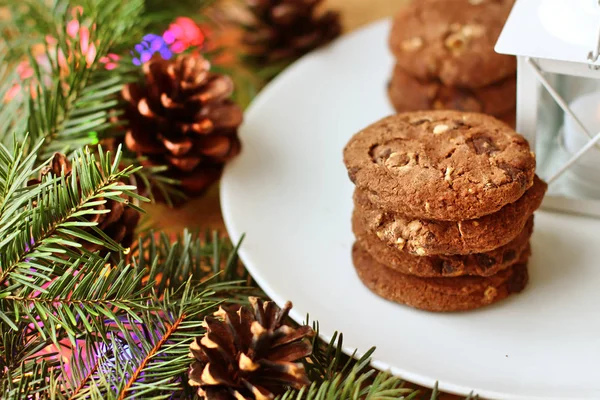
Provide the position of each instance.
(444, 206)
(445, 58)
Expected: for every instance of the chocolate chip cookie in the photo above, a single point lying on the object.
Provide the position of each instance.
(424, 237)
(509, 118)
(407, 93)
(438, 294)
(444, 165)
(453, 41)
(480, 264)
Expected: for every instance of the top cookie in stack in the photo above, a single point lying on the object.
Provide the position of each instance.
(445, 58)
(443, 208)
(441, 165)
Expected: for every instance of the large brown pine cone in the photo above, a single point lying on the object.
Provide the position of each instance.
(182, 117)
(119, 224)
(249, 354)
(284, 30)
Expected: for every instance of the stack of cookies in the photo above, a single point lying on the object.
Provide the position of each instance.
(445, 58)
(444, 206)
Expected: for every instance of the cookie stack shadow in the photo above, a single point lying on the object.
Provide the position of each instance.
(445, 58)
(444, 205)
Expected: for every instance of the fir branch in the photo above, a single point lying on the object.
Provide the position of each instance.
(171, 261)
(155, 350)
(336, 375)
(77, 300)
(151, 179)
(15, 170)
(355, 386)
(55, 223)
(82, 384)
(74, 96)
(24, 373)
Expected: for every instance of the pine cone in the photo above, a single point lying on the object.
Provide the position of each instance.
(119, 224)
(183, 117)
(249, 355)
(284, 30)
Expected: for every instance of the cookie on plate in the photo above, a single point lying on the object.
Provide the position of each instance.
(444, 165)
(479, 264)
(438, 294)
(407, 93)
(430, 237)
(453, 41)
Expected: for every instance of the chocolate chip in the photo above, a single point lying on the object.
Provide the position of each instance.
(430, 236)
(508, 256)
(485, 261)
(443, 267)
(518, 280)
(483, 145)
(437, 264)
(447, 267)
(514, 173)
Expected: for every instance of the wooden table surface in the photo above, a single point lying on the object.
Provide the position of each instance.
(205, 212)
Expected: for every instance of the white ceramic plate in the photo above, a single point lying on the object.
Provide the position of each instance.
(289, 192)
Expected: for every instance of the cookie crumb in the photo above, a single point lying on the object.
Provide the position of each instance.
(490, 293)
(473, 30)
(448, 175)
(412, 44)
(440, 129)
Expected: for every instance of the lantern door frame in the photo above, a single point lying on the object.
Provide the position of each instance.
(531, 80)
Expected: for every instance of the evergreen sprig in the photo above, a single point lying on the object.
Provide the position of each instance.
(74, 98)
(201, 258)
(77, 298)
(61, 216)
(16, 167)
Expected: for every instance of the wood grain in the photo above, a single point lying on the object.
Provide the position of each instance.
(205, 212)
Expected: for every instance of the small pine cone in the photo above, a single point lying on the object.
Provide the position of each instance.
(119, 224)
(249, 354)
(284, 30)
(183, 117)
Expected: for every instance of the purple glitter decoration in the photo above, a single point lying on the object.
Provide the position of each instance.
(151, 45)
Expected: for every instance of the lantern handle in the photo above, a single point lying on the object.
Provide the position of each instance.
(595, 54)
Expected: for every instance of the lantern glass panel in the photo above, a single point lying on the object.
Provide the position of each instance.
(559, 136)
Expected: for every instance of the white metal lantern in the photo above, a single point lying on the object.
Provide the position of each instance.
(557, 43)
